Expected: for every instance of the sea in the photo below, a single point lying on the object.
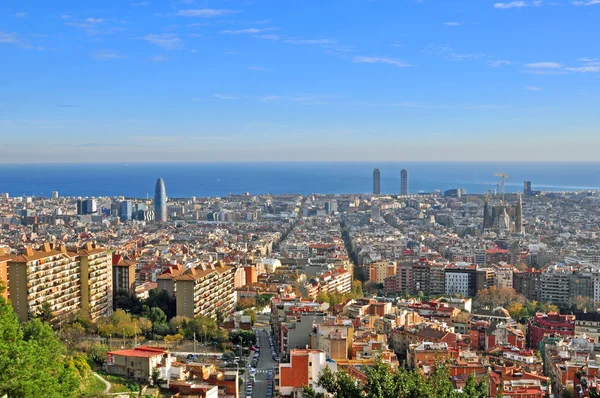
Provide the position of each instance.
(137, 180)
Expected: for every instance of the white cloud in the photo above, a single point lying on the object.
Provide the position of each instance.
(498, 63)
(532, 88)
(21, 14)
(168, 41)
(310, 41)
(159, 58)
(586, 3)
(544, 65)
(248, 31)
(107, 55)
(585, 69)
(204, 13)
(513, 4)
(587, 59)
(224, 96)
(452, 23)
(381, 60)
(9, 38)
(268, 37)
(259, 68)
(268, 98)
(94, 20)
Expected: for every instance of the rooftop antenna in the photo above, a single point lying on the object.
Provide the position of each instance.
(503, 176)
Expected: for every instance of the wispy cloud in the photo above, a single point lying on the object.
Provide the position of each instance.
(225, 96)
(499, 62)
(259, 68)
(452, 23)
(450, 53)
(381, 60)
(544, 65)
(513, 4)
(92, 26)
(167, 41)
(532, 88)
(10, 38)
(585, 69)
(21, 14)
(248, 31)
(205, 13)
(107, 55)
(310, 41)
(268, 98)
(268, 37)
(141, 4)
(586, 3)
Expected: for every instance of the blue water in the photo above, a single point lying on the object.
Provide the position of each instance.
(219, 179)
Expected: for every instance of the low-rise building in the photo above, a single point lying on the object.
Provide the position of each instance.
(138, 363)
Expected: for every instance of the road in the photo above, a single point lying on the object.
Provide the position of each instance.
(108, 385)
(265, 363)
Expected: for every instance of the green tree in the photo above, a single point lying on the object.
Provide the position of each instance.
(252, 314)
(33, 362)
(244, 338)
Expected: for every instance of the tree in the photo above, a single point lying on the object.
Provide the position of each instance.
(163, 300)
(228, 357)
(175, 338)
(252, 314)
(33, 362)
(357, 289)
(97, 352)
(583, 303)
(245, 303)
(123, 300)
(72, 335)
(204, 327)
(263, 300)
(383, 382)
(494, 296)
(244, 338)
(46, 314)
(155, 376)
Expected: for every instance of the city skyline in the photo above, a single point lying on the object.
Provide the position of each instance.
(208, 80)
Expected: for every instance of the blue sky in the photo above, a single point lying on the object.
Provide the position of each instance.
(299, 80)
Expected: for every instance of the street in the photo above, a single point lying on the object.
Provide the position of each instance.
(265, 363)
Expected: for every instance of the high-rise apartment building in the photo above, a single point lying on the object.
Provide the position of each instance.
(96, 281)
(69, 280)
(205, 290)
(160, 201)
(50, 275)
(55, 195)
(376, 182)
(123, 275)
(404, 182)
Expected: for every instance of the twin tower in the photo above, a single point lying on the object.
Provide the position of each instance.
(403, 182)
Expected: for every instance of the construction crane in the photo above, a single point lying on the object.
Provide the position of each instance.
(502, 175)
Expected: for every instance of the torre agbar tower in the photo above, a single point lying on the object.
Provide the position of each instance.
(160, 201)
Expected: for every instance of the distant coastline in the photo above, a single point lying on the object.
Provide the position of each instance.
(220, 179)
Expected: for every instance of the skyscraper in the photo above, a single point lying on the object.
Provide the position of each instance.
(404, 182)
(376, 182)
(527, 189)
(126, 210)
(160, 201)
